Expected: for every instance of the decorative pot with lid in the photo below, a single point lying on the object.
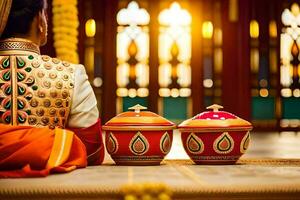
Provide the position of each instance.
(138, 137)
(215, 137)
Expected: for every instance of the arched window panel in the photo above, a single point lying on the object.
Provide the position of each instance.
(174, 49)
(174, 54)
(132, 53)
(290, 66)
(290, 43)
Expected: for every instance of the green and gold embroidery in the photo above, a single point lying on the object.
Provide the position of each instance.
(6, 76)
(20, 63)
(6, 63)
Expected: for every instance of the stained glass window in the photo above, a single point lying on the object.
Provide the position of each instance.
(174, 54)
(174, 50)
(290, 66)
(289, 54)
(132, 52)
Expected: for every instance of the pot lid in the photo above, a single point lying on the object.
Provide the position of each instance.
(215, 120)
(135, 119)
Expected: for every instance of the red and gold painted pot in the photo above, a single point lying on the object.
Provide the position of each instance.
(215, 137)
(138, 137)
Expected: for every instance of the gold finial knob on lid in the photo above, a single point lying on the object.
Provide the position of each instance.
(137, 108)
(215, 107)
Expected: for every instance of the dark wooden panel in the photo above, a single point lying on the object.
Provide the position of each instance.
(196, 62)
(153, 57)
(236, 69)
(109, 62)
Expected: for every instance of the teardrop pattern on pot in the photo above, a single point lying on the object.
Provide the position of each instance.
(194, 144)
(223, 144)
(112, 144)
(139, 144)
(165, 143)
(245, 143)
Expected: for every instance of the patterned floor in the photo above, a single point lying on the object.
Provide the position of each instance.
(269, 170)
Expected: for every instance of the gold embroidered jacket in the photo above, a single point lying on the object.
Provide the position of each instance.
(35, 89)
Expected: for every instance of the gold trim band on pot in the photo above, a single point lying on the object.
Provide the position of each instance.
(142, 128)
(204, 123)
(214, 129)
(138, 119)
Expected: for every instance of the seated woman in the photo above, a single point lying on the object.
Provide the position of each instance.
(43, 100)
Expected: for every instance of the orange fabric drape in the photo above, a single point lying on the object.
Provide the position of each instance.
(92, 139)
(32, 152)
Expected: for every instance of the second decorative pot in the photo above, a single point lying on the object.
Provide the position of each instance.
(215, 137)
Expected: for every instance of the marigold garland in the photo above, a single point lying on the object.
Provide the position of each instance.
(146, 191)
(65, 25)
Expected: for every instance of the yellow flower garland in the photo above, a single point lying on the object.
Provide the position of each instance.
(146, 191)
(65, 24)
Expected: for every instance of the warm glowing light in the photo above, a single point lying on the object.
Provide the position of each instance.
(273, 60)
(132, 92)
(294, 123)
(184, 74)
(284, 123)
(133, 15)
(122, 75)
(218, 60)
(295, 9)
(290, 123)
(263, 92)
(233, 12)
(285, 75)
(291, 18)
(164, 75)
(296, 93)
(122, 92)
(97, 82)
(185, 92)
(254, 29)
(142, 73)
(273, 29)
(174, 92)
(174, 16)
(90, 28)
(164, 92)
(254, 59)
(143, 92)
(286, 92)
(207, 29)
(218, 36)
(89, 59)
(208, 83)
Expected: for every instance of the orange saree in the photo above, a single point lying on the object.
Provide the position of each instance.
(34, 152)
